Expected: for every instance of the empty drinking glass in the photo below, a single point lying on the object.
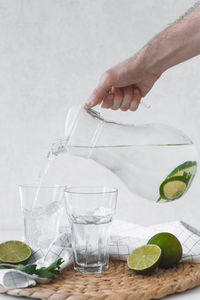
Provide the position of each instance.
(90, 210)
(42, 208)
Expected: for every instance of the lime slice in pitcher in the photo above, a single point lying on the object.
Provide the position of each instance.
(144, 260)
(14, 252)
(186, 173)
(173, 188)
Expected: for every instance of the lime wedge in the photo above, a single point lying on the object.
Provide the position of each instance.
(186, 172)
(173, 188)
(14, 252)
(144, 260)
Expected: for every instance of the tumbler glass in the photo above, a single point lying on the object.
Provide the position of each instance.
(42, 207)
(90, 211)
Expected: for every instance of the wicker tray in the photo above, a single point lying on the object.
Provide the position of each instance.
(118, 283)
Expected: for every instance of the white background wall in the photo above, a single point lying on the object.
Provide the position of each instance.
(52, 53)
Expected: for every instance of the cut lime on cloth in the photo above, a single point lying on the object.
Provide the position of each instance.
(144, 260)
(170, 246)
(14, 252)
(177, 182)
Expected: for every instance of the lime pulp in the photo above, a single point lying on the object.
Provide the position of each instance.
(144, 260)
(173, 188)
(14, 252)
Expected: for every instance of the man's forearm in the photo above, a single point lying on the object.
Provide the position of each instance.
(179, 42)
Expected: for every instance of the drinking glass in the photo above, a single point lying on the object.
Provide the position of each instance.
(42, 208)
(90, 211)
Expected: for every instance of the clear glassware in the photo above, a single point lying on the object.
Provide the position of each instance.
(145, 157)
(90, 211)
(42, 208)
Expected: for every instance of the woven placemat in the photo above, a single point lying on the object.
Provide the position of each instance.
(118, 283)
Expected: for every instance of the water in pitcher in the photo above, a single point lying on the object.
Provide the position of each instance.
(156, 172)
(155, 161)
(160, 173)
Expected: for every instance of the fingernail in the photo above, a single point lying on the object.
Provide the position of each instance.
(90, 102)
(132, 106)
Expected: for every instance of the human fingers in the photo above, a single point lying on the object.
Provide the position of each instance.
(135, 100)
(107, 101)
(104, 86)
(118, 97)
(128, 95)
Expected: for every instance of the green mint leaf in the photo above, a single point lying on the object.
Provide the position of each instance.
(29, 269)
(55, 266)
(44, 273)
(52, 270)
(49, 272)
(187, 175)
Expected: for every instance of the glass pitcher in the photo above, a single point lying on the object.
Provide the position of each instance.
(155, 161)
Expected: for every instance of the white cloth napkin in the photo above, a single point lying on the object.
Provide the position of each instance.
(125, 237)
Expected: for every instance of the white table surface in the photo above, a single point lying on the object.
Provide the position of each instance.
(193, 294)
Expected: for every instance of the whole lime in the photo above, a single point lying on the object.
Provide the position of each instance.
(171, 248)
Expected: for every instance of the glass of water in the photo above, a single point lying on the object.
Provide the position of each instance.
(90, 211)
(42, 208)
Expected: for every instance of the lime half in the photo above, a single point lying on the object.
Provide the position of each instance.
(144, 260)
(170, 246)
(177, 182)
(14, 252)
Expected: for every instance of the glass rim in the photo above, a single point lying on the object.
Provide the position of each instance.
(90, 190)
(33, 186)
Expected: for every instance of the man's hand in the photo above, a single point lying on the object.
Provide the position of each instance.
(122, 86)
